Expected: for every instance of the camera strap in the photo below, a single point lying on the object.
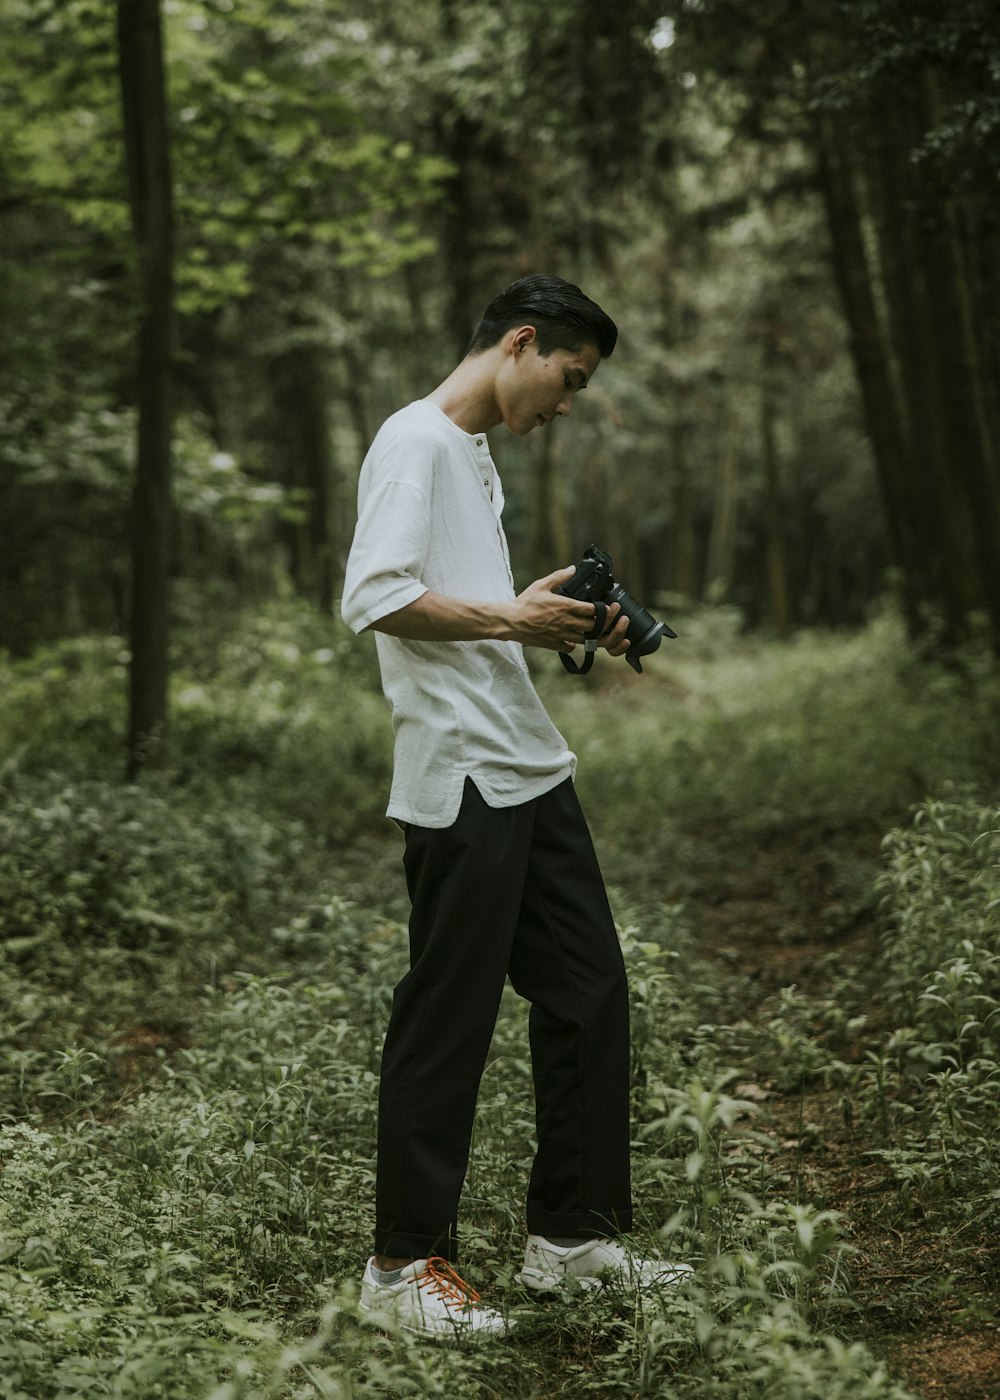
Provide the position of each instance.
(590, 645)
(588, 660)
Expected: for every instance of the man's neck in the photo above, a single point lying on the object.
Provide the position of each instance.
(468, 395)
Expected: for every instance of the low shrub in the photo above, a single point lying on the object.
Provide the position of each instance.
(938, 1077)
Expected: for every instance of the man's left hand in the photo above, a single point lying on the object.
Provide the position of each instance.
(613, 636)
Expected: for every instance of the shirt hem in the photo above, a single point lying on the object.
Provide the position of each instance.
(438, 820)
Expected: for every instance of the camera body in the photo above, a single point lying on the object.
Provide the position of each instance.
(594, 582)
(593, 579)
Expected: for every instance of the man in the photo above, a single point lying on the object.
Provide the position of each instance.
(500, 868)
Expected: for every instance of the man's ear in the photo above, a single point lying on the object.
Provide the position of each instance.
(522, 338)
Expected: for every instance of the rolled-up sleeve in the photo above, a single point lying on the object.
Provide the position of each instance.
(387, 556)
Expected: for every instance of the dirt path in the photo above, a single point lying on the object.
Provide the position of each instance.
(926, 1294)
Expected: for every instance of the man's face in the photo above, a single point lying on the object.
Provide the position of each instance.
(534, 389)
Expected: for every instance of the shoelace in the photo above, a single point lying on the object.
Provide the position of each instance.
(440, 1278)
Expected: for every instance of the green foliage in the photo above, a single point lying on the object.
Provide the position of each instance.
(353, 182)
(797, 1052)
(92, 862)
(297, 723)
(122, 899)
(845, 731)
(193, 979)
(891, 38)
(277, 160)
(292, 721)
(932, 1086)
(219, 1208)
(941, 894)
(258, 126)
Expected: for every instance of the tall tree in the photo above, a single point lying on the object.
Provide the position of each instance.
(897, 101)
(147, 152)
(317, 287)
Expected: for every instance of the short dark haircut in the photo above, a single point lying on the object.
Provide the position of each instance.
(562, 316)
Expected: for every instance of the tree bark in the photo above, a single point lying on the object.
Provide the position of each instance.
(681, 561)
(722, 531)
(968, 396)
(549, 546)
(924, 351)
(853, 276)
(147, 156)
(936, 511)
(777, 567)
(300, 397)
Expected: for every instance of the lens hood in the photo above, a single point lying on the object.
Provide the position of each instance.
(647, 644)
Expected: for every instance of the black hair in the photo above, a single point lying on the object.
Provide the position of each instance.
(562, 316)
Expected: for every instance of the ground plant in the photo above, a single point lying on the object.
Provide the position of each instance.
(195, 972)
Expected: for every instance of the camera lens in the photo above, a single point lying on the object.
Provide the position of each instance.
(644, 632)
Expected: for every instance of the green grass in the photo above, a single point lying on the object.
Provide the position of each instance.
(195, 973)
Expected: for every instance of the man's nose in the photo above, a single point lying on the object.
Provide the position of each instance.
(564, 405)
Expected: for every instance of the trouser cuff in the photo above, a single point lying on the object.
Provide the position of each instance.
(584, 1225)
(396, 1244)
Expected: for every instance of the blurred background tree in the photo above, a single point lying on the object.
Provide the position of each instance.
(898, 108)
(790, 208)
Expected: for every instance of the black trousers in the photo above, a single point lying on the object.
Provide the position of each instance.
(513, 891)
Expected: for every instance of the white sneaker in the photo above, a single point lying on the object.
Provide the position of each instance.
(429, 1300)
(592, 1263)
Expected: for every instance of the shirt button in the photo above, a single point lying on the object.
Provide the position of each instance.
(479, 442)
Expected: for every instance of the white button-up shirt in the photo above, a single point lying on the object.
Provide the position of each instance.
(429, 505)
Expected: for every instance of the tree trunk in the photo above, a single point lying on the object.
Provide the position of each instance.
(300, 398)
(147, 153)
(936, 512)
(722, 531)
(777, 568)
(967, 394)
(681, 561)
(924, 351)
(854, 279)
(549, 543)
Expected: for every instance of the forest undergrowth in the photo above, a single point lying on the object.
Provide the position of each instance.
(802, 843)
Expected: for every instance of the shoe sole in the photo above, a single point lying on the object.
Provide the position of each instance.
(391, 1322)
(552, 1283)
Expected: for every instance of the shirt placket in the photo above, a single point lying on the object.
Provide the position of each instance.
(490, 478)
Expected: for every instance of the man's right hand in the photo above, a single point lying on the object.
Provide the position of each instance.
(541, 618)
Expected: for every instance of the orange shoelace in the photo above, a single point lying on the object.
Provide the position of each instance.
(440, 1278)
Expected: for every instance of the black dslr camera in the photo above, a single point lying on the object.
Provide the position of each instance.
(594, 583)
